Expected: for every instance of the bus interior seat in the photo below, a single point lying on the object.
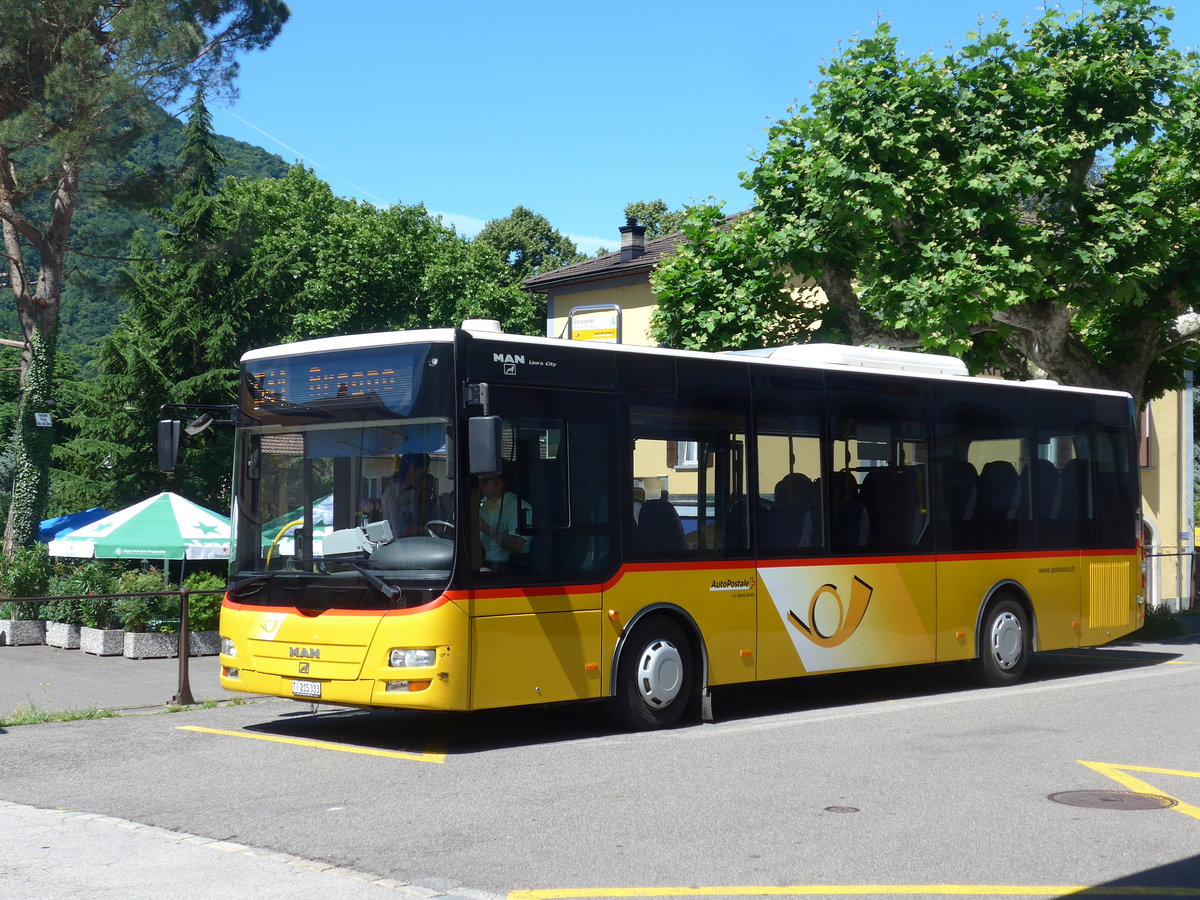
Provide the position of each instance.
(788, 523)
(1047, 489)
(659, 529)
(848, 517)
(960, 490)
(737, 529)
(999, 500)
(892, 496)
(1073, 500)
(959, 493)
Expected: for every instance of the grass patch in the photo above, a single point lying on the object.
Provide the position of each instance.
(1162, 623)
(28, 714)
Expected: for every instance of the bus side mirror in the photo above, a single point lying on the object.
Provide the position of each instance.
(483, 445)
(168, 444)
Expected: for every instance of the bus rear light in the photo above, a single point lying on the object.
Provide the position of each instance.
(406, 687)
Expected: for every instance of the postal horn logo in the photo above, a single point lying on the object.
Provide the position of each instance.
(830, 621)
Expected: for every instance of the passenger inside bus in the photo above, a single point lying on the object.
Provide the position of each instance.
(410, 499)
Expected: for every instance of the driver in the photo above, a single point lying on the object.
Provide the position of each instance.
(499, 514)
(411, 498)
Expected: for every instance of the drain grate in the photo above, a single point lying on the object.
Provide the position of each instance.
(1113, 800)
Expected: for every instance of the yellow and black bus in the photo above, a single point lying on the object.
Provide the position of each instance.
(461, 519)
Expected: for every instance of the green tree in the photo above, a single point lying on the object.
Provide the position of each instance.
(255, 263)
(176, 342)
(527, 244)
(318, 265)
(658, 219)
(78, 79)
(950, 204)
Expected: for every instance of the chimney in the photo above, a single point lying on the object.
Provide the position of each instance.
(633, 240)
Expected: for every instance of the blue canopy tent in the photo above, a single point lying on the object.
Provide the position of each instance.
(63, 525)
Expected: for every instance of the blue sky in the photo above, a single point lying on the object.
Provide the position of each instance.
(570, 109)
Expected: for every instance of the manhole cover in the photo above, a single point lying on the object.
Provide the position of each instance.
(841, 809)
(1113, 800)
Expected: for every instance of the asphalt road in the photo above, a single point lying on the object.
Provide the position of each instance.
(907, 781)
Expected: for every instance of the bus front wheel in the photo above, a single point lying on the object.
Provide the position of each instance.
(1004, 644)
(654, 676)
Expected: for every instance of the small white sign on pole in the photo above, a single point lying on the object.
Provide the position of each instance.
(42, 420)
(601, 324)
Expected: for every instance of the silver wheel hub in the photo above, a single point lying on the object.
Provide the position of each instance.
(659, 674)
(1007, 641)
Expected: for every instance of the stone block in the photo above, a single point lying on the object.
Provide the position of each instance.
(15, 632)
(102, 641)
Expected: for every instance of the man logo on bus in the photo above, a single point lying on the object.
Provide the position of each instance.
(830, 622)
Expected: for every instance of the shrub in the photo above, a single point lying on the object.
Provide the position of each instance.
(63, 610)
(27, 574)
(1162, 623)
(73, 579)
(98, 612)
(141, 613)
(204, 610)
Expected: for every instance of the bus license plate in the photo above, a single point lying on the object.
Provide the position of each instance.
(306, 688)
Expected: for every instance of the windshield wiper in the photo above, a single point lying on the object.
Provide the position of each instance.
(388, 590)
(236, 586)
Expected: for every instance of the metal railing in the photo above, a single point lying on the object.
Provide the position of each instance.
(183, 696)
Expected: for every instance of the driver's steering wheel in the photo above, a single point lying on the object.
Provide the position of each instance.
(439, 522)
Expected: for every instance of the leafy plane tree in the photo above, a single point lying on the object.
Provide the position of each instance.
(658, 219)
(1031, 203)
(78, 80)
(527, 244)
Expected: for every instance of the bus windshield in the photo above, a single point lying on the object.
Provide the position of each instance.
(345, 479)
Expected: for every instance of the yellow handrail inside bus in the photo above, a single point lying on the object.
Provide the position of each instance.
(278, 538)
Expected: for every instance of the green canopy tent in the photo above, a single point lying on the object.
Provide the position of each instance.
(165, 526)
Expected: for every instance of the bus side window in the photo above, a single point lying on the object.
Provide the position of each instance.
(983, 480)
(879, 444)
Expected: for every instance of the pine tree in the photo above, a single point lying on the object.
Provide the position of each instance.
(175, 343)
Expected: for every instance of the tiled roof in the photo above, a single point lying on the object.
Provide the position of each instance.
(607, 266)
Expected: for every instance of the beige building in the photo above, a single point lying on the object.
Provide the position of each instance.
(609, 297)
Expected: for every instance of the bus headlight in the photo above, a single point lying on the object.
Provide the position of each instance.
(228, 648)
(412, 659)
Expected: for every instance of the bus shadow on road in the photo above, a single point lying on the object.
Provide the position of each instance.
(848, 689)
(444, 733)
(456, 733)
(1092, 660)
(1183, 875)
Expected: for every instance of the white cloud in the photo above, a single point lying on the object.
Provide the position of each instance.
(467, 226)
(590, 245)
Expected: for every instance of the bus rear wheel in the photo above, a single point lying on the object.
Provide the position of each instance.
(654, 676)
(1004, 644)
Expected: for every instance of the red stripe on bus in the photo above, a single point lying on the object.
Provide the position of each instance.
(441, 600)
(464, 594)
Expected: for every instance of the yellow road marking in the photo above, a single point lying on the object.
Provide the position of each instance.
(860, 890)
(429, 757)
(1120, 774)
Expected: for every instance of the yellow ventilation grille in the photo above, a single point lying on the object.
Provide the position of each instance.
(1108, 597)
